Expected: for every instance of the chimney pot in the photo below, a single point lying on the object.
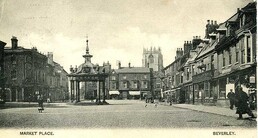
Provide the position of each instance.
(208, 21)
(215, 22)
(211, 22)
(14, 42)
(186, 42)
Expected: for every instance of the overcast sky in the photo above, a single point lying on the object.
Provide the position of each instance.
(117, 29)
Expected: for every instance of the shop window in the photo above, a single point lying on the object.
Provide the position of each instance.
(206, 89)
(222, 88)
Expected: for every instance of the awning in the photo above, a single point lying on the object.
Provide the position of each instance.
(114, 92)
(168, 91)
(134, 92)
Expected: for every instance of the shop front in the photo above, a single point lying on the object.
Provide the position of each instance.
(202, 88)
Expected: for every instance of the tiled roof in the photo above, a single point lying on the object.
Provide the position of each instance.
(133, 70)
(233, 18)
(225, 41)
(222, 26)
(207, 49)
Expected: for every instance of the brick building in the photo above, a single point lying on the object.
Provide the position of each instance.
(130, 82)
(220, 61)
(28, 73)
(2, 77)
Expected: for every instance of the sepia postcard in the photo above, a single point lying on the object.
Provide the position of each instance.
(128, 68)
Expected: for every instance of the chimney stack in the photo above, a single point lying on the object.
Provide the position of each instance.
(211, 22)
(14, 42)
(208, 21)
(129, 64)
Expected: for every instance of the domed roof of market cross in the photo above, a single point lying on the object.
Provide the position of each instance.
(87, 67)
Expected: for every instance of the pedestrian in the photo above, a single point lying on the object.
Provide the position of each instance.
(48, 100)
(242, 105)
(156, 102)
(29, 98)
(231, 96)
(40, 103)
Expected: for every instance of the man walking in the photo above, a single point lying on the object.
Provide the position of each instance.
(231, 96)
(242, 105)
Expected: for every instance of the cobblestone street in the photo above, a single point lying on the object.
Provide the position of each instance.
(119, 114)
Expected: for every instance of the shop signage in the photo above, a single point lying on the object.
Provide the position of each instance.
(252, 79)
(205, 76)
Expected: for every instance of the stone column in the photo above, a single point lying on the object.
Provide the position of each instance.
(103, 91)
(71, 90)
(10, 91)
(75, 90)
(22, 94)
(17, 95)
(78, 91)
(98, 91)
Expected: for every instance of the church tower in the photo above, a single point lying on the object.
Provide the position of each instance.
(152, 58)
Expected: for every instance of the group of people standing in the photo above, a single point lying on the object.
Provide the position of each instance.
(240, 99)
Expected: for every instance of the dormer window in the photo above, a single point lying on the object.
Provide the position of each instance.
(242, 21)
